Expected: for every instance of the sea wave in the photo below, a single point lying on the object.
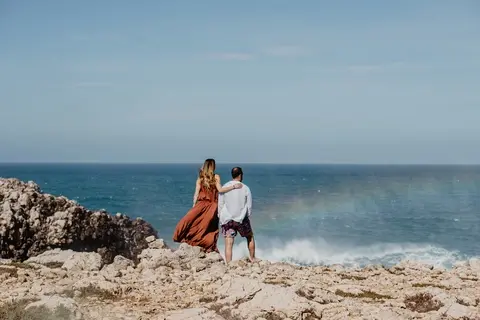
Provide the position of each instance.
(320, 252)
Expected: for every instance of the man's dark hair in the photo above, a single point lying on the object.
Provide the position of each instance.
(236, 172)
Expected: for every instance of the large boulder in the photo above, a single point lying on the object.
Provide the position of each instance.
(32, 222)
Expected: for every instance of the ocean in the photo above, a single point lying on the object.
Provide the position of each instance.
(306, 214)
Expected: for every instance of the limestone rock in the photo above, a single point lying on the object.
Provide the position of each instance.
(249, 299)
(97, 284)
(150, 239)
(457, 311)
(52, 257)
(154, 258)
(186, 252)
(32, 222)
(193, 314)
(157, 244)
(474, 265)
(190, 284)
(59, 307)
(83, 261)
(120, 264)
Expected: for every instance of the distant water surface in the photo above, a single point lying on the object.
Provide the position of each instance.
(308, 214)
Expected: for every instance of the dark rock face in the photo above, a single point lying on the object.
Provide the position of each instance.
(32, 222)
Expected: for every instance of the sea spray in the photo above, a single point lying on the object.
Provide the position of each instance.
(320, 252)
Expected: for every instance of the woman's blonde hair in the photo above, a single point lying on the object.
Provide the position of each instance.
(207, 174)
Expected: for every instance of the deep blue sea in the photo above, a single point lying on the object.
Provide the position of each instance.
(308, 214)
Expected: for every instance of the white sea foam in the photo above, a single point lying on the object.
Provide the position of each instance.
(319, 252)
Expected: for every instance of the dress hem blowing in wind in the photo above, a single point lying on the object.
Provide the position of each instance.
(199, 227)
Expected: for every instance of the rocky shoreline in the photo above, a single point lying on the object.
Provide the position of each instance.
(147, 280)
(32, 222)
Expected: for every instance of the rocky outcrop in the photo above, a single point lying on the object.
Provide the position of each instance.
(190, 284)
(32, 222)
(87, 265)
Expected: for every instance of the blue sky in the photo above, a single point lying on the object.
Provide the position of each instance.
(245, 81)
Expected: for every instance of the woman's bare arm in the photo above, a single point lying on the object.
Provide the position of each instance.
(225, 189)
(197, 190)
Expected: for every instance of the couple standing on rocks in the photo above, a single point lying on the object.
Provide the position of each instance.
(229, 205)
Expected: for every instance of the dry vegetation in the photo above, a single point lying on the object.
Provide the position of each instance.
(424, 285)
(422, 302)
(92, 292)
(21, 265)
(282, 282)
(351, 277)
(12, 268)
(207, 299)
(53, 265)
(468, 278)
(12, 272)
(16, 311)
(305, 293)
(224, 312)
(364, 294)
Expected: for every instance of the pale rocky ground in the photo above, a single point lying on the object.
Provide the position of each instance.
(189, 284)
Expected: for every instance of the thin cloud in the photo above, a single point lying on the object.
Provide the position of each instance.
(286, 51)
(274, 51)
(235, 56)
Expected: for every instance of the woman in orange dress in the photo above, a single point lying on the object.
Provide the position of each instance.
(199, 227)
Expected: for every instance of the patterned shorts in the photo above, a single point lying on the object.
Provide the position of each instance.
(231, 228)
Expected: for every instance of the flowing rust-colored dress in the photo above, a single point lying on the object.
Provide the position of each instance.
(199, 227)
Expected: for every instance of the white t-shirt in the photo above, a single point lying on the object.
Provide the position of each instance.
(235, 204)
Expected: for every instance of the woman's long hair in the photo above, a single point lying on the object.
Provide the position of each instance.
(207, 174)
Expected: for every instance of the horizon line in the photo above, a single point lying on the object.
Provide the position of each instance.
(232, 163)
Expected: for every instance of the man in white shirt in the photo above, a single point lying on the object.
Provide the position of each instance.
(234, 210)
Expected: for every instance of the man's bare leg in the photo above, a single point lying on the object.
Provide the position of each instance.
(228, 248)
(251, 247)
